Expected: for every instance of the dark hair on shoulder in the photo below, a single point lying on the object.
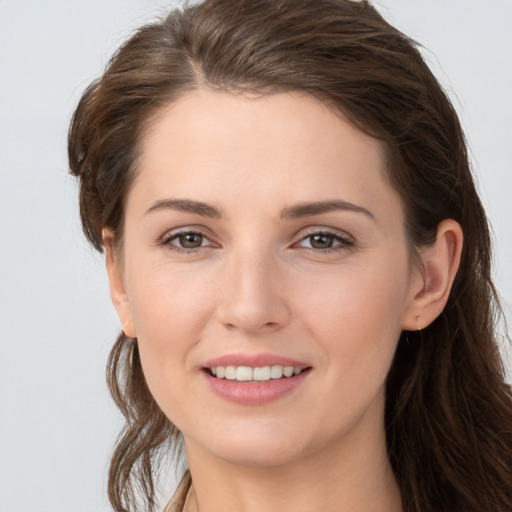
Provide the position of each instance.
(448, 407)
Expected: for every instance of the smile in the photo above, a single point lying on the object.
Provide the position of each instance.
(254, 380)
(258, 374)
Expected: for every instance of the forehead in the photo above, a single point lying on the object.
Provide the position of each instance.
(277, 120)
(286, 147)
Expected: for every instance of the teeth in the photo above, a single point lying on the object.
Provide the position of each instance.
(230, 372)
(243, 373)
(260, 373)
(288, 371)
(276, 372)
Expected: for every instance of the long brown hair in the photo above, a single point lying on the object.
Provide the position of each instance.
(448, 408)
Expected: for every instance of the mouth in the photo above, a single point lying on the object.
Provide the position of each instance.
(255, 374)
(254, 380)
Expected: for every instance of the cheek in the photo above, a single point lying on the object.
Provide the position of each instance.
(357, 317)
(169, 311)
(356, 326)
(364, 295)
(167, 303)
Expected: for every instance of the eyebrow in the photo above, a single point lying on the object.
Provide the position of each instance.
(187, 206)
(292, 212)
(319, 207)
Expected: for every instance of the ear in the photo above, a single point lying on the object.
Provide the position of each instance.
(431, 285)
(117, 287)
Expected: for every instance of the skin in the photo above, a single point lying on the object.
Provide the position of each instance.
(258, 282)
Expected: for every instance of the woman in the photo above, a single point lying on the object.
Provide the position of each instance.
(300, 264)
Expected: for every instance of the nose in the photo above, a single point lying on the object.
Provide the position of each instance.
(253, 295)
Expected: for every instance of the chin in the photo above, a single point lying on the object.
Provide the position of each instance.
(257, 456)
(256, 445)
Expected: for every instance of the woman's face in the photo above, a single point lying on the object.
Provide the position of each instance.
(261, 234)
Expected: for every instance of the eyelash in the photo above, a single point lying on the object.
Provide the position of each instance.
(170, 237)
(344, 242)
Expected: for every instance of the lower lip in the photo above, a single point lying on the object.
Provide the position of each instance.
(254, 393)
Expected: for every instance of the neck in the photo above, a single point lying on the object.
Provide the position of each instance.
(353, 477)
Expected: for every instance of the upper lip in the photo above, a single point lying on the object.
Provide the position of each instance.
(254, 361)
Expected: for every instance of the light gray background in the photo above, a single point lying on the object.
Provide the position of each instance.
(57, 424)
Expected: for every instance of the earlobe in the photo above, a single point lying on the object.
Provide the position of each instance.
(117, 286)
(430, 287)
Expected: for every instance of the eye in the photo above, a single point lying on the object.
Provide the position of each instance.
(185, 241)
(189, 240)
(325, 241)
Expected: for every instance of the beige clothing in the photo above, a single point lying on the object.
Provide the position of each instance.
(180, 496)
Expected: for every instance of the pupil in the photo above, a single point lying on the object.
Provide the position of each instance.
(191, 240)
(321, 241)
